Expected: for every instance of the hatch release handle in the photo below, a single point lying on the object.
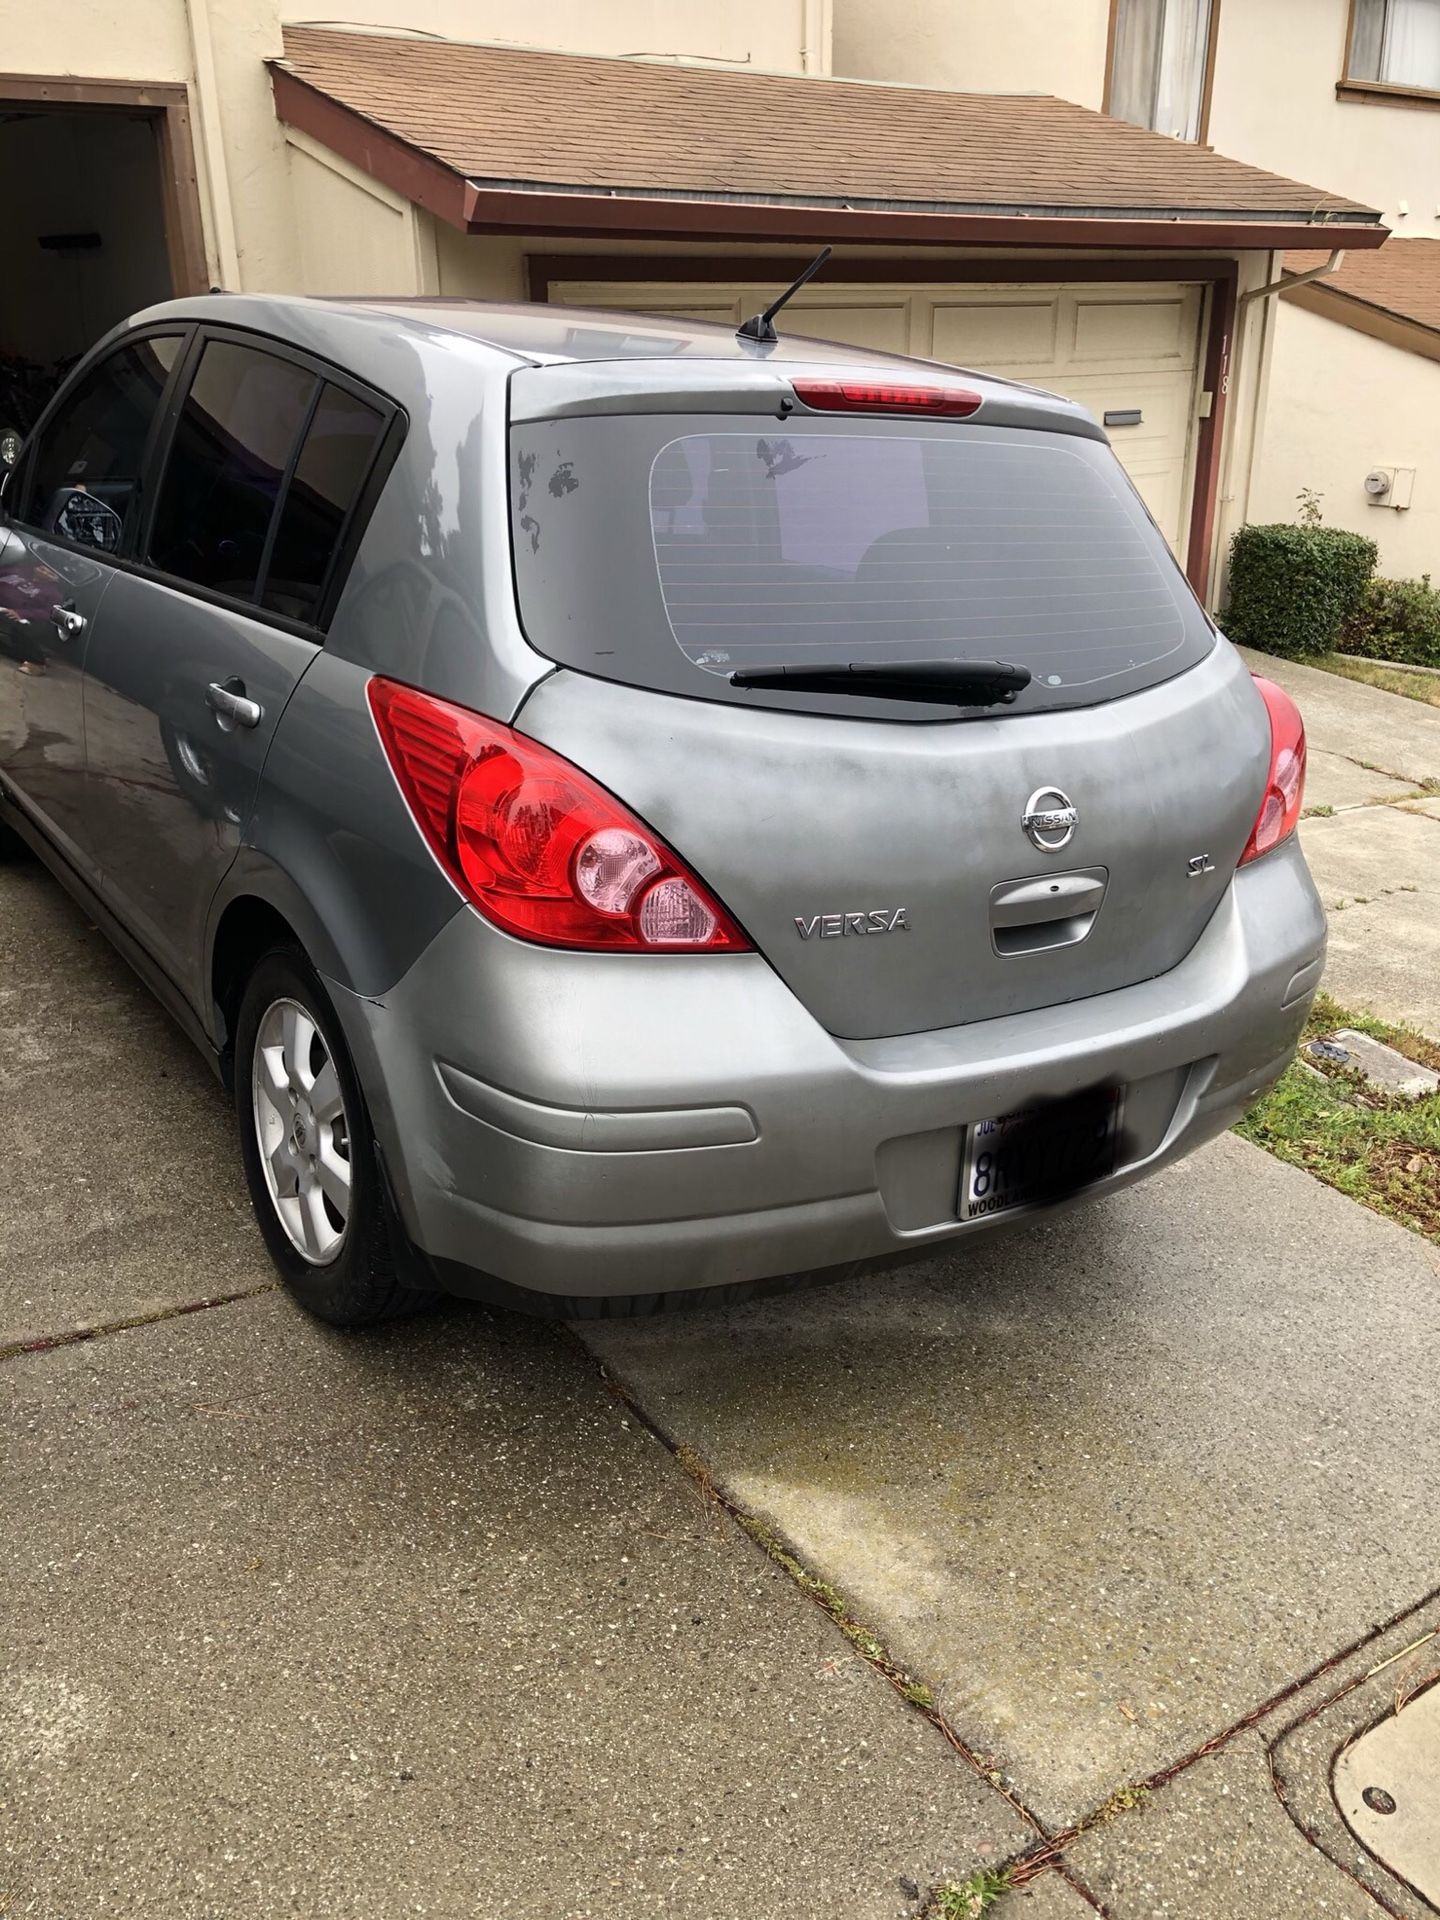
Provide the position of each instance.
(1046, 910)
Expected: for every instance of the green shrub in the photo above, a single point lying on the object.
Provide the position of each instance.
(1396, 620)
(1292, 588)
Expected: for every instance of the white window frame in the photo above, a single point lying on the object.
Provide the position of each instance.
(1159, 39)
(1385, 37)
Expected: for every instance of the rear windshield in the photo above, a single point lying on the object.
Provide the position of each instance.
(667, 552)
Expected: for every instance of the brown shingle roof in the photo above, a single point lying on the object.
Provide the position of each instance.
(517, 121)
(1402, 278)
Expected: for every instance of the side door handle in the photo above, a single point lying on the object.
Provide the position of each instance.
(67, 622)
(227, 700)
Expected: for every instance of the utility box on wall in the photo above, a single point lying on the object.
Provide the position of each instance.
(1390, 486)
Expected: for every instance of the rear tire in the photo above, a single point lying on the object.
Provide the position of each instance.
(310, 1157)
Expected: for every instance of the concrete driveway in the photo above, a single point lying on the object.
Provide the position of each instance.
(1374, 767)
(463, 1618)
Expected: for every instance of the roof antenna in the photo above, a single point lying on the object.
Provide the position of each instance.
(762, 327)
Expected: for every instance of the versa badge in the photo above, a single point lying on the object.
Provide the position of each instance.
(833, 926)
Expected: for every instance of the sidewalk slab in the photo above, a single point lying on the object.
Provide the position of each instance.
(1384, 959)
(421, 1623)
(122, 1190)
(1216, 1842)
(1371, 853)
(1378, 872)
(1400, 737)
(1050, 1897)
(1106, 1485)
(1331, 780)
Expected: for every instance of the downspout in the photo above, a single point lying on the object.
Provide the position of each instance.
(1288, 280)
(816, 29)
(1254, 439)
(212, 143)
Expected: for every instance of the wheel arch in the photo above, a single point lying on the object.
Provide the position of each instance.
(258, 908)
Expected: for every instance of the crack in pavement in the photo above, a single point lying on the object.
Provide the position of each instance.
(1047, 1856)
(867, 1645)
(1402, 802)
(74, 1336)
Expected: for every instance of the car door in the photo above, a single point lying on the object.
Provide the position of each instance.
(73, 505)
(207, 635)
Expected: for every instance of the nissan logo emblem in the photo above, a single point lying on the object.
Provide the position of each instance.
(1049, 819)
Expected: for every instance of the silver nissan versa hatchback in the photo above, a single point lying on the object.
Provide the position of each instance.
(631, 809)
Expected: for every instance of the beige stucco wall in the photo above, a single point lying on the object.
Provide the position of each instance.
(480, 266)
(352, 234)
(1274, 104)
(977, 46)
(139, 40)
(788, 36)
(1341, 403)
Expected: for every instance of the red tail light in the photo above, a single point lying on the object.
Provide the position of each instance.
(866, 396)
(538, 847)
(1285, 788)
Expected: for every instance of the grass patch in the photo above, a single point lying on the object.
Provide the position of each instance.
(1317, 813)
(1377, 1148)
(970, 1899)
(1424, 687)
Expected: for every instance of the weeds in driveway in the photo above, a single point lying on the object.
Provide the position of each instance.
(1317, 813)
(1378, 1148)
(972, 1898)
(1123, 1800)
(829, 1599)
(1424, 687)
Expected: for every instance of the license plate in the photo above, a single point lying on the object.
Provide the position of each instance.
(1038, 1157)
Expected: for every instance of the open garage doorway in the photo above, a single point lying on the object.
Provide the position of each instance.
(99, 217)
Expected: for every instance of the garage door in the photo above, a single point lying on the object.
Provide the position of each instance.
(1116, 348)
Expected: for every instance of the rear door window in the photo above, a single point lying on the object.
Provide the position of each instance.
(339, 447)
(83, 474)
(670, 552)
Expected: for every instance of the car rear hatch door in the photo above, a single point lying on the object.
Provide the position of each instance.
(903, 866)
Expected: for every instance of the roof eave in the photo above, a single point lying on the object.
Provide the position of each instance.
(511, 207)
(1365, 316)
(542, 211)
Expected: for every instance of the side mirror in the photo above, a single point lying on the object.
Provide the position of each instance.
(81, 517)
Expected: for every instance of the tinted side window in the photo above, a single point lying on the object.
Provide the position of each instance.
(333, 463)
(84, 471)
(233, 441)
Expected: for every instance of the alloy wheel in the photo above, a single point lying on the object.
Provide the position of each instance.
(302, 1130)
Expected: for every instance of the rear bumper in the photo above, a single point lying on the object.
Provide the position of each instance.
(587, 1126)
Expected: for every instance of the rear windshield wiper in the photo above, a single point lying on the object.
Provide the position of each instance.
(946, 683)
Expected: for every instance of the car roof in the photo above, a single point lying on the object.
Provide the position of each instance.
(531, 331)
(643, 350)
(547, 333)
